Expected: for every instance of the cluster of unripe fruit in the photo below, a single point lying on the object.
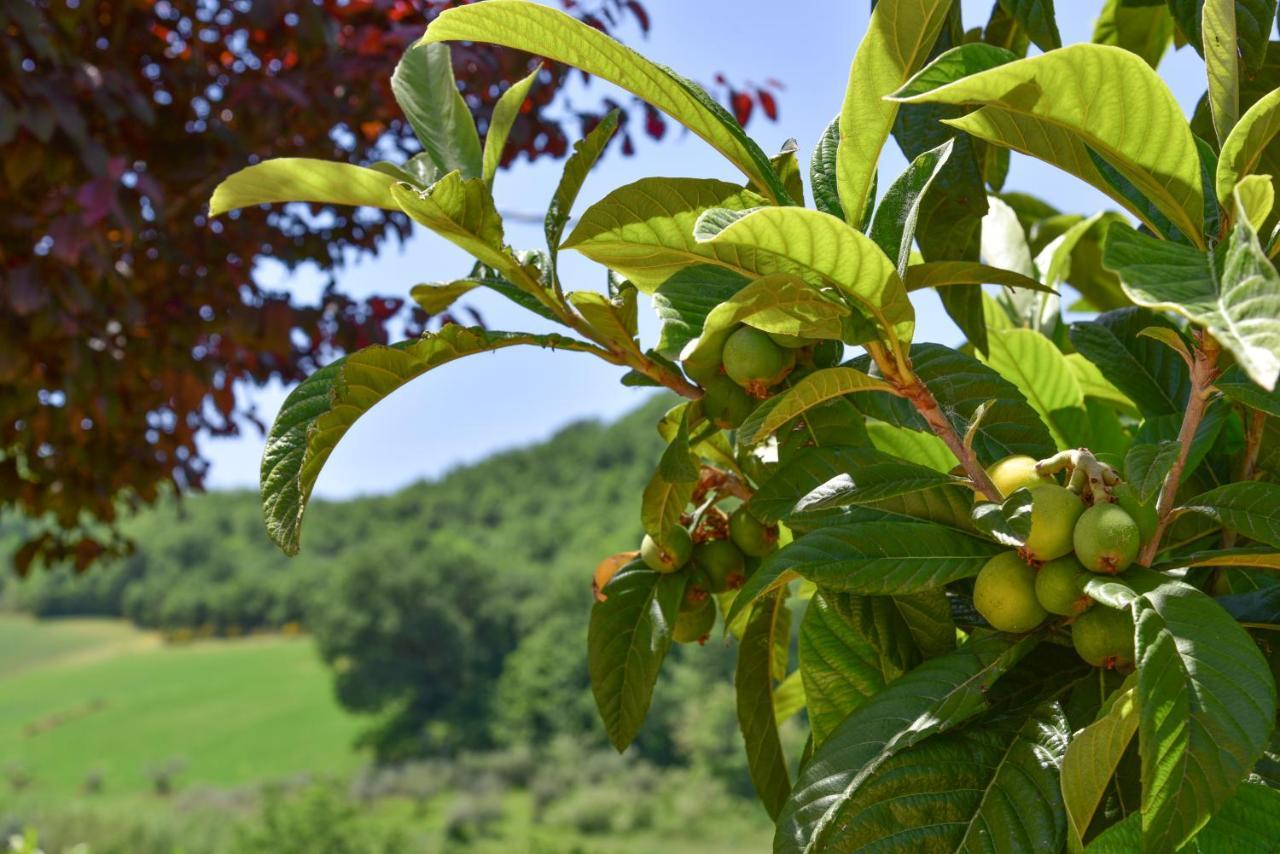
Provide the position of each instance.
(1068, 542)
(717, 563)
(753, 362)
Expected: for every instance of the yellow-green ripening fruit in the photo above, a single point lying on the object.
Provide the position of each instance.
(754, 361)
(1144, 514)
(1060, 586)
(695, 624)
(791, 342)
(1106, 539)
(674, 556)
(751, 535)
(723, 564)
(1005, 593)
(726, 403)
(1013, 473)
(1054, 511)
(1104, 637)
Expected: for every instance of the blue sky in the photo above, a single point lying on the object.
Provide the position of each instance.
(472, 407)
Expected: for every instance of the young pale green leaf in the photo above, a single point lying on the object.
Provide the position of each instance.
(1243, 148)
(1092, 757)
(1222, 62)
(606, 317)
(627, 639)
(961, 385)
(1250, 508)
(318, 413)
(504, 116)
(894, 226)
(1148, 372)
(683, 302)
(428, 95)
(1236, 299)
(1152, 148)
(754, 682)
(1144, 30)
(1037, 18)
(1249, 822)
(1256, 196)
(1206, 702)
(1147, 465)
(814, 389)
(938, 274)
(885, 557)
(851, 647)
(939, 694)
(548, 32)
(645, 230)
(817, 245)
(1037, 367)
(586, 152)
(779, 303)
(899, 37)
(436, 298)
(822, 171)
(302, 179)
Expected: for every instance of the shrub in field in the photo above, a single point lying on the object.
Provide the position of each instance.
(960, 694)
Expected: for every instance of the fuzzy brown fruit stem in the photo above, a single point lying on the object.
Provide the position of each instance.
(1204, 370)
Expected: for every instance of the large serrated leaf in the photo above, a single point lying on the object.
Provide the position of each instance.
(810, 391)
(894, 226)
(548, 32)
(1148, 372)
(627, 639)
(1092, 757)
(754, 681)
(1037, 367)
(683, 302)
(318, 413)
(1145, 30)
(899, 37)
(822, 171)
(1207, 703)
(644, 230)
(1253, 25)
(302, 179)
(939, 694)
(1250, 508)
(424, 88)
(1152, 148)
(1236, 297)
(1037, 18)
(938, 274)
(818, 246)
(1249, 822)
(851, 647)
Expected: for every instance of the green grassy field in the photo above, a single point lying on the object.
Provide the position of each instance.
(85, 695)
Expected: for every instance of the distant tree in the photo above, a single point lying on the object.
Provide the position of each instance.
(127, 317)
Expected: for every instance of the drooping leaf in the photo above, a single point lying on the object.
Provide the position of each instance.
(1251, 508)
(1149, 373)
(1092, 757)
(1147, 30)
(899, 37)
(1206, 702)
(937, 274)
(1037, 367)
(1153, 149)
(939, 694)
(754, 682)
(884, 557)
(851, 647)
(684, 301)
(645, 230)
(1037, 18)
(318, 413)
(627, 639)
(303, 179)
(504, 116)
(894, 225)
(428, 95)
(1237, 297)
(1008, 523)
(586, 152)
(549, 32)
(812, 390)
(817, 245)
(822, 171)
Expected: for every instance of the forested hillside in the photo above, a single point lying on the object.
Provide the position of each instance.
(455, 610)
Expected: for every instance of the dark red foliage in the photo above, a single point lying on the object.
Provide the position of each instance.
(126, 317)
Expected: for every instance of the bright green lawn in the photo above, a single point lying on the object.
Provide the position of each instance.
(107, 697)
